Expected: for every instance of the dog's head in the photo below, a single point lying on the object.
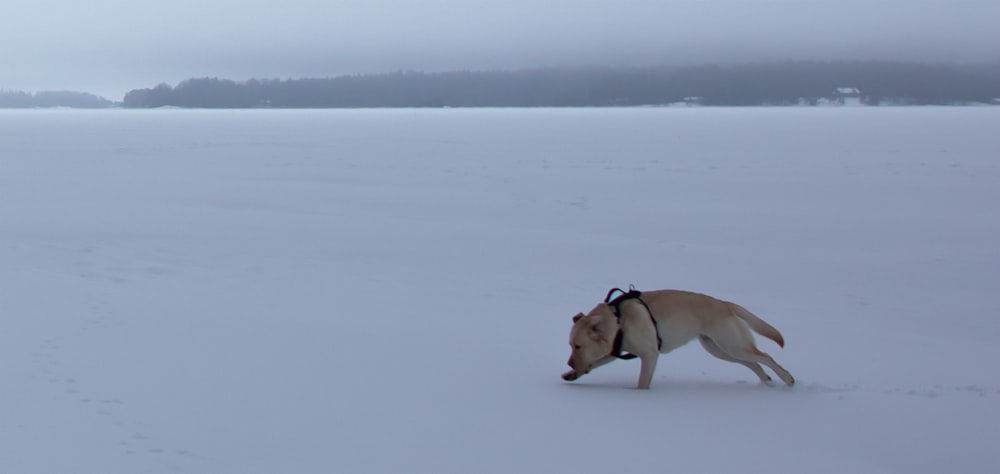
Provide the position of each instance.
(590, 339)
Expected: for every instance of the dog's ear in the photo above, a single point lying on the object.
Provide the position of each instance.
(595, 323)
(577, 317)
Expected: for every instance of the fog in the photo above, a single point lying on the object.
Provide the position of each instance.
(111, 46)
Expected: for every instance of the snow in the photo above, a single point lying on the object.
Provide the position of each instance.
(391, 290)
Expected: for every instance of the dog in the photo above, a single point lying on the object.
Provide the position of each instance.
(647, 324)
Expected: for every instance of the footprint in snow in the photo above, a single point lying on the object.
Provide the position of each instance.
(817, 387)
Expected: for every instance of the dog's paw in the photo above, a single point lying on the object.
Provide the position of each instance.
(571, 376)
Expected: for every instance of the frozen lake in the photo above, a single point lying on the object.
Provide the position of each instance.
(386, 291)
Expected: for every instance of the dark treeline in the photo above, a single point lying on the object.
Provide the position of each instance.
(82, 100)
(880, 82)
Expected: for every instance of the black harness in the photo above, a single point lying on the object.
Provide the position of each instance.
(615, 304)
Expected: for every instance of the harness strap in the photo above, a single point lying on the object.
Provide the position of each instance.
(615, 304)
(616, 349)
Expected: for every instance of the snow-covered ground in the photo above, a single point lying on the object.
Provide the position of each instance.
(389, 291)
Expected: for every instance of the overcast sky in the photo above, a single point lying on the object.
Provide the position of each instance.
(111, 46)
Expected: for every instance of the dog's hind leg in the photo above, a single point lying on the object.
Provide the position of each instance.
(763, 358)
(712, 348)
(736, 341)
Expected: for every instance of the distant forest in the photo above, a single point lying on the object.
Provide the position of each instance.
(80, 100)
(786, 83)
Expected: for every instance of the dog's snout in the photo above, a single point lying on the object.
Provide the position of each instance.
(571, 364)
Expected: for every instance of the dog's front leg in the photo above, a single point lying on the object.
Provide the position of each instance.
(646, 370)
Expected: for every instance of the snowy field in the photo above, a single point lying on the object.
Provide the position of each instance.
(390, 291)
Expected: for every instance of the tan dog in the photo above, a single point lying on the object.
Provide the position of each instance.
(651, 323)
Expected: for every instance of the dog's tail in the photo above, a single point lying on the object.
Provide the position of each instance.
(758, 325)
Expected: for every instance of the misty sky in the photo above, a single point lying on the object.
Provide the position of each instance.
(110, 46)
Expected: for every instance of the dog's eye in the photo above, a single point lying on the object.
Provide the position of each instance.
(576, 346)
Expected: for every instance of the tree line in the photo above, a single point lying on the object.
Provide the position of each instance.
(82, 100)
(786, 83)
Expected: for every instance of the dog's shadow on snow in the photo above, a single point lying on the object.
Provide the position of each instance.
(687, 385)
(702, 386)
